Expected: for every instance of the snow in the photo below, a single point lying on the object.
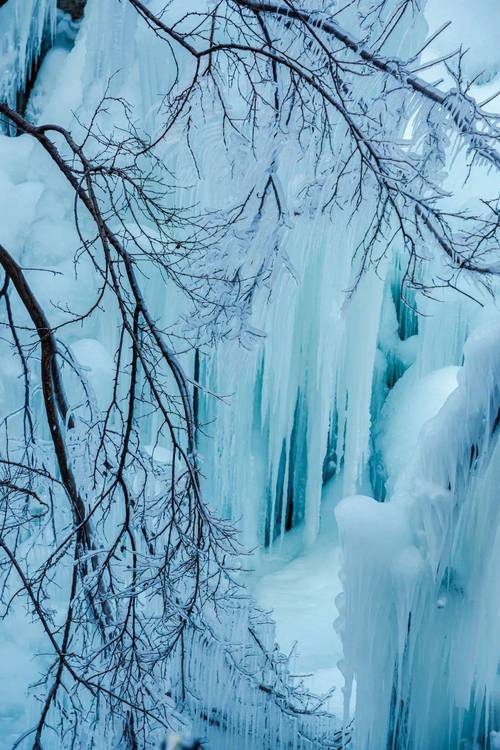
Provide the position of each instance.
(300, 589)
(409, 405)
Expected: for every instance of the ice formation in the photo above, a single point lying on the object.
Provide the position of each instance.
(383, 402)
(420, 614)
(25, 26)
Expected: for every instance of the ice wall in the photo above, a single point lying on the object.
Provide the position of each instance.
(420, 623)
(299, 402)
(302, 401)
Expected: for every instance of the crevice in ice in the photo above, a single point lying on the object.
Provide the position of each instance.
(287, 498)
(404, 303)
(330, 462)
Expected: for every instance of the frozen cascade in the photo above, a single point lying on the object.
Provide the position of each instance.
(303, 401)
(420, 614)
(289, 378)
(270, 431)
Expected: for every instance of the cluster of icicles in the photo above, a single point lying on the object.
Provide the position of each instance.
(422, 584)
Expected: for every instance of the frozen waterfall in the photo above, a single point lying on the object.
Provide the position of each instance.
(351, 434)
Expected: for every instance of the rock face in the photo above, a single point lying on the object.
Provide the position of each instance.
(73, 7)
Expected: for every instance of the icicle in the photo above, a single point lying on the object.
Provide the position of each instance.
(23, 24)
